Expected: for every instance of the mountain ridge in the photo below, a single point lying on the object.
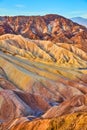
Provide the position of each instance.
(80, 20)
(49, 27)
(43, 73)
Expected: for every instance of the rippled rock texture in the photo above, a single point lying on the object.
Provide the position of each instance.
(43, 73)
(49, 27)
(43, 84)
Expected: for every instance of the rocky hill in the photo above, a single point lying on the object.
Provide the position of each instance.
(43, 75)
(49, 27)
(40, 80)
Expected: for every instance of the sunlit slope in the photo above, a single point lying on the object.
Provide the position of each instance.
(41, 79)
(40, 59)
(26, 61)
(76, 121)
(45, 51)
(21, 62)
(50, 27)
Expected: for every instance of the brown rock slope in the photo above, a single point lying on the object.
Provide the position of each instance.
(76, 121)
(75, 104)
(49, 27)
(41, 80)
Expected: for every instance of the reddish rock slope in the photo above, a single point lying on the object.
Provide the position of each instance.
(41, 80)
(49, 27)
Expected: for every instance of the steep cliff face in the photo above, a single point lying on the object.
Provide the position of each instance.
(50, 27)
